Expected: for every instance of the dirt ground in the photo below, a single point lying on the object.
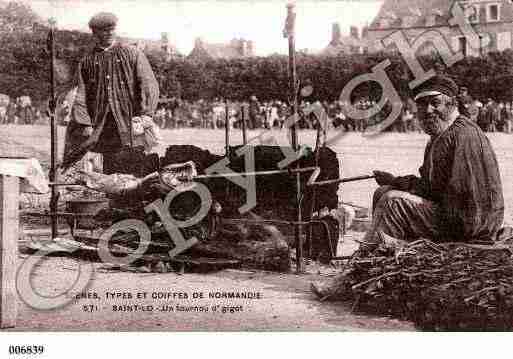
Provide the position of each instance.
(286, 302)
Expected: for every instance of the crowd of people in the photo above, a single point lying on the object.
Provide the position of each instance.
(175, 113)
(20, 111)
(491, 116)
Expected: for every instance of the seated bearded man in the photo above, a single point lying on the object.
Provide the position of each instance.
(458, 196)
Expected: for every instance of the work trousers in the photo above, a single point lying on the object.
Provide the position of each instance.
(401, 215)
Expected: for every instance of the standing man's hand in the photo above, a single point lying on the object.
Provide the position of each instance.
(383, 178)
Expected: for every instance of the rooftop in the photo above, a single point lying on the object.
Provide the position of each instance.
(415, 13)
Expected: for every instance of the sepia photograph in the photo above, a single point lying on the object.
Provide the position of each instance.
(255, 166)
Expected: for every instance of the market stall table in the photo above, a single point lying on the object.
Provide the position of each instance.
(12, 169)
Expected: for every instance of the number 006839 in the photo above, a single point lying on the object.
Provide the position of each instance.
(26, 349)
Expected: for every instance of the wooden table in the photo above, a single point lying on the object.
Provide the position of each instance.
(11, 170)
(9, 221)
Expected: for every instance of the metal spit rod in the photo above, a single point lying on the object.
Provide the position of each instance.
(243, 125)
(313, 177)
(227, 129)
(311, 180)
(341, 180)
(316, 170)
(53, 129)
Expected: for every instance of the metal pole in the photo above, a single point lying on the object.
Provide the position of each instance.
(292, 68)
(243, 125)
(227, 130)
(314, 192)
(53, 132)
(290, 33)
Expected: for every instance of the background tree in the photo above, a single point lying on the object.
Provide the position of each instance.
(24, 68)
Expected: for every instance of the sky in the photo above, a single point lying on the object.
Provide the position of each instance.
(217, 20)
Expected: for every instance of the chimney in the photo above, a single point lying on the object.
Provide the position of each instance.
(251, 48)
(353, 32)
(335, 34)
(365, 32)
(243, 48)
(164, 42)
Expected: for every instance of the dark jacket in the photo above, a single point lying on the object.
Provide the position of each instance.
(118, 81)
(461, 173)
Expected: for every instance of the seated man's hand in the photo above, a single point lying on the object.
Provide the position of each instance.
(405, 183)
(383, 178)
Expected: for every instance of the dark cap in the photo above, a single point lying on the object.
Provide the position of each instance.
(437, 85)
(103, 20)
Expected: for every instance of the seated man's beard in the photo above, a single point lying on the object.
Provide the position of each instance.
(432, 124)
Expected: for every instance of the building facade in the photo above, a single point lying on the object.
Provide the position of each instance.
(163, 46)
(491, 19)
(236, 48)
(339, 44)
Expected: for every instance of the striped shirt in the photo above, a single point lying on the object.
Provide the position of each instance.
(117, 81)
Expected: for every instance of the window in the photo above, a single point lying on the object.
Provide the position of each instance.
(493, 13)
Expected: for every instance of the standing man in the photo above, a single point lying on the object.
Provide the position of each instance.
(494, 110)
(489, 117)
(115, 85)
(508, 116)
(254, 109)
(464, 101)
(4, 104)
(458, 196)
(473, 110)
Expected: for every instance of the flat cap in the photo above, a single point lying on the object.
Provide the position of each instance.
(103, 20)
(437, 85)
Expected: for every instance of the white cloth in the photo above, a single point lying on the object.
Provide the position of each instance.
(117, 183)
(145, 127)
(29, 170)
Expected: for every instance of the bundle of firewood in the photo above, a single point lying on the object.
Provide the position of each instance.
(437, 286)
